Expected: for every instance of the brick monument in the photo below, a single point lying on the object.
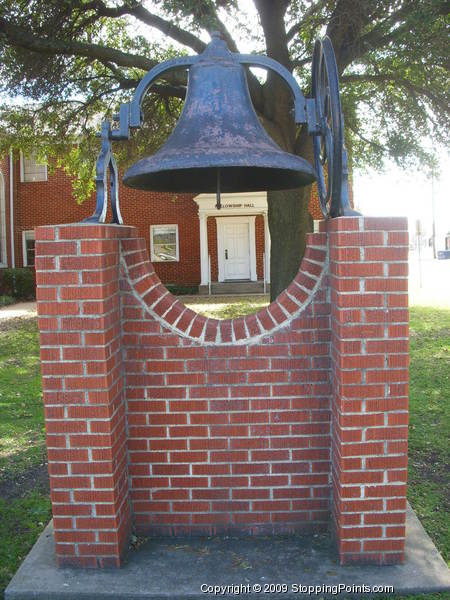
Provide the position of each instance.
(162, 420)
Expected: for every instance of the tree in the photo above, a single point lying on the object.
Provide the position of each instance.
(77, 59)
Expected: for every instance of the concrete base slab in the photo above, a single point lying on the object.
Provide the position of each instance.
(178, 568)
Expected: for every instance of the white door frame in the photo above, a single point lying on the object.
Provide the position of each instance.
(250, 220)
(233, 205)
(3, 257)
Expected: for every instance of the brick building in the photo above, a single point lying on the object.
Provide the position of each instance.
(185, 234)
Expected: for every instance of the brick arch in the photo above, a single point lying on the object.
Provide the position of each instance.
(171, 312)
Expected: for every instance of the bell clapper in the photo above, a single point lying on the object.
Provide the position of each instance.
(218, 204)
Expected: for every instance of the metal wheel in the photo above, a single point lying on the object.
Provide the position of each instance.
(328, 144)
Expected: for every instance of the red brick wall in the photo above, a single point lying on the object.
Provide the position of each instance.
(143, 209)
(52, 202)
(42, 203)
(369, 296)
(228, 422)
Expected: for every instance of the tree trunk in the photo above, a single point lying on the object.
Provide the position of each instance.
(288, 214)
(289, 221)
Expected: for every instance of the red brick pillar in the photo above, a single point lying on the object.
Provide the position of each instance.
(77, 272)
(368, 281)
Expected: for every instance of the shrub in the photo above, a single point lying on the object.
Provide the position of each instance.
(6, 300)
(19, 283)
(182, 290)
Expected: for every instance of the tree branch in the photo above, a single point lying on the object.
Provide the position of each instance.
(137, 10)
(176, 33)
(225, 34)
(272, 21)
(169, 91)
(309, 12)
(384, 32)
(126, 83)
(23, 38)
(376, 145)
(107, 11)
(380, 36)
(401, 81)
(376, 38)
(348, 20)
(301, 62)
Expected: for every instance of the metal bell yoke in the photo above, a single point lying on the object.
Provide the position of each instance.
(219, 144)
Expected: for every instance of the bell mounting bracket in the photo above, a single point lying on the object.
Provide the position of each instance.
(105, 162)
(321, 113)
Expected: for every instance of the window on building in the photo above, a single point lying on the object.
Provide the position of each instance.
(31, 169)
(164, 243)
(28, 248)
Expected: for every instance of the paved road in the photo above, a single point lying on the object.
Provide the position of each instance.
(429, 281)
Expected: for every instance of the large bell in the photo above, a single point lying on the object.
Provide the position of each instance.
(218, 142)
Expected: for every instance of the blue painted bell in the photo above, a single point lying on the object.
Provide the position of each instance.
(219, 144)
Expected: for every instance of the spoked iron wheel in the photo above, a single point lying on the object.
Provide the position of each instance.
(328, 144)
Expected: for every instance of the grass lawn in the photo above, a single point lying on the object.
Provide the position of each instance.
(24, 500)
(429, 429)
(226, 307)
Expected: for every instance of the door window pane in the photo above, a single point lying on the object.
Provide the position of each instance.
(30, 253)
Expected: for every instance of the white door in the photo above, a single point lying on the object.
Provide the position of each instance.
(236, 248)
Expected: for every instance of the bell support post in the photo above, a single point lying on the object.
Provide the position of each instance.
(251, 60)
(129, 116)
(106, 161)
(324, 104)
(149, 79)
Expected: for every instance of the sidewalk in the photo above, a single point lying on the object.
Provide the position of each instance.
(21, 309)
(259, 567)
(429, 281)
